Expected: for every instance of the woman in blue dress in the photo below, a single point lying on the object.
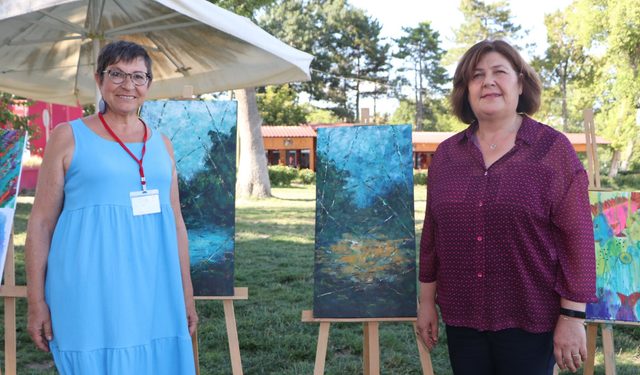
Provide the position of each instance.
(107, 254)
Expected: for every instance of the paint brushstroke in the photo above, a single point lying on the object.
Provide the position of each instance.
(616, 225)
(12, 144)
(203, 134)
(365, 263)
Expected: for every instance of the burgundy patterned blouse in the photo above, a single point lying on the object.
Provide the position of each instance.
(504, 243)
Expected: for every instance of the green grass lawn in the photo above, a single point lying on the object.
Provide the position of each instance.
(274, 259)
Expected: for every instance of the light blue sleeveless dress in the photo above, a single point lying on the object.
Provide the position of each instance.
(113, 282)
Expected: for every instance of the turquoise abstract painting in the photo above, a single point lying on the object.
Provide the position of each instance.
(365, 250)
(12, 144)
(616, 226)
(203, 134)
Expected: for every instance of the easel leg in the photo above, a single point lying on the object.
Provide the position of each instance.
(232, 332)
(425, 357)
(371, 349)
(321, 351)
(10, 345)
(194, 343)
(609, 353)
(592, 336)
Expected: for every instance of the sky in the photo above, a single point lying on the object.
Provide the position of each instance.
(445, 16)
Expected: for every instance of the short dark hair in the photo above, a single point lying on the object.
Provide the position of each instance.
(529, 100)
(125, 51)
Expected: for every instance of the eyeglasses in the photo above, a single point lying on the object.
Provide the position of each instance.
(118, 76)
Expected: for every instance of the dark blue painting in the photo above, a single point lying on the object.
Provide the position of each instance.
(203, 134)
(365, 257)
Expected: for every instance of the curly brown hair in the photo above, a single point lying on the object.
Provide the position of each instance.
(529, 100)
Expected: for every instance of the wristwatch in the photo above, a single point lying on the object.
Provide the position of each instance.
(573, 313)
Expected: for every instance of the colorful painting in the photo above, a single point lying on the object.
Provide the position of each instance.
(12, 143)
(365, 258)
(616, 226)
(203, 134)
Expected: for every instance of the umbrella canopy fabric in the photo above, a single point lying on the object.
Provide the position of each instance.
(48, 48)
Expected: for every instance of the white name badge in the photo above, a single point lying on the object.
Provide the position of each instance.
(145, 202)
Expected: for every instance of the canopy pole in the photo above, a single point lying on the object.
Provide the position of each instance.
(96, 51)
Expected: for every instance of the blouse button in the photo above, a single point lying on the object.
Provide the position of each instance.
(479, 238)
(486, 173)
(480, 204)
(479, 274)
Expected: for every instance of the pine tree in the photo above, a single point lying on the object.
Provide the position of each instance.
(420, 50)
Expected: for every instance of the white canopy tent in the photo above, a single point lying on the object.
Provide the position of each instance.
(48, 48)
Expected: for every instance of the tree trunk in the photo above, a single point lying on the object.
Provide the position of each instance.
(375, 97)
(253, 175)
(613, 168)
(358, 120)
(415, 80)
(565, 127)
(628, 155)
(420, 102)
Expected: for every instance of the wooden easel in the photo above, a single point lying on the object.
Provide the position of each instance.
(232, 331)
(10, 291)
(371, 355)
(592, 325)
(593, 165)
(239, 293)
(607, 345)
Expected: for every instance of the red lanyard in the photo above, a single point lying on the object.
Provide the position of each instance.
(144, 147)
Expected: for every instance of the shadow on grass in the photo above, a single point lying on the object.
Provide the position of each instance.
(293, 199)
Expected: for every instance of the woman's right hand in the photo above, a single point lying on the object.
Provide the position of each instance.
(39, 325)
(428, 319)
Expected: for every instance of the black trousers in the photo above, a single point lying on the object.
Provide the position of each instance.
(506, 352)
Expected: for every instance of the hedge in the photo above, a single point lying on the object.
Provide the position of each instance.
(281, 175)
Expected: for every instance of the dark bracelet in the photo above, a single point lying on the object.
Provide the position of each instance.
(573, 313)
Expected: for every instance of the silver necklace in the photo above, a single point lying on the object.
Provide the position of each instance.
(495, 145)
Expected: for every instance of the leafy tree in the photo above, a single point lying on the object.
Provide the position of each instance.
(246, 8)
(440, 118)
(482, 21)
(346, 44)
(279, 106)
(564, 69)
(357, 52)
(302, 25)
(10, 120)
(614, 25)
(421, 53)
(253, 175)
(320, 116)
(404, 114)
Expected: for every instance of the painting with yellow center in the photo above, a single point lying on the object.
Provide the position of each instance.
(365, 257)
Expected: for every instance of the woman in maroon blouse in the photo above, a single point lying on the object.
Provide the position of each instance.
(507, 249)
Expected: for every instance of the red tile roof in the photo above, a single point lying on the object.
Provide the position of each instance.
(301, 131)
(431, 137)
(580, 139)
(315, 126)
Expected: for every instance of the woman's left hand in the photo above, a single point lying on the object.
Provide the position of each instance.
(192, 316)
(569, 344)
